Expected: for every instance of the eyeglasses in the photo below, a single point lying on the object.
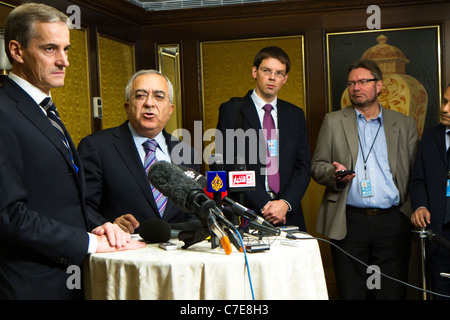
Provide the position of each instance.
(142, 95)
(268, 72)
(361, 82)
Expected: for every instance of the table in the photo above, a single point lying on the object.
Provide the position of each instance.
(202, 273)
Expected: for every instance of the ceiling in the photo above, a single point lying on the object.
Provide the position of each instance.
(163, 5)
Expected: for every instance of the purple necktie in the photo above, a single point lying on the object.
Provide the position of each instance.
(150, 158)
(270, 134)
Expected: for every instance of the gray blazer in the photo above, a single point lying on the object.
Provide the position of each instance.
(338, 141)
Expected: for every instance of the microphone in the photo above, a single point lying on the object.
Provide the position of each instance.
(241, 179)
(187, 194)
(155, 230)
(215, 228)
(435, 237)
(271, 230)
(242, 211)
(236, 207)
(216, 178)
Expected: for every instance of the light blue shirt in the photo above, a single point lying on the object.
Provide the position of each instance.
(162, 152)
(385, 193)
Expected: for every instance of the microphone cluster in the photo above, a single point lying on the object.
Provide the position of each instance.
(186, 189)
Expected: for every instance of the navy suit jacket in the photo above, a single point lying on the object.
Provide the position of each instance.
(116, 182)
(294, 153)
(43, 219)
(429, 177)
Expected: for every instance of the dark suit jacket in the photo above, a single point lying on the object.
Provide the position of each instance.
(43, 220)
(116, 182)
(294, 154)
(429, 177)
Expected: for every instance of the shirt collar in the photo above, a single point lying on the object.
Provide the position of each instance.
(260, 103)
(139, 139)
(360, 116)
(36, 94)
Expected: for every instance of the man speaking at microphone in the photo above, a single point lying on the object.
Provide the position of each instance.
(117, 160)
(280, 189)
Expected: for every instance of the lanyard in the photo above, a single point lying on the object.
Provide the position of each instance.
(370, 150)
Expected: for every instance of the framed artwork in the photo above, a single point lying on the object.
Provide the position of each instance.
(410, 60)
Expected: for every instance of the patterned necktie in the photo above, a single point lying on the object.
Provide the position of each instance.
(271, 138)
(55, 120)
(150, 151)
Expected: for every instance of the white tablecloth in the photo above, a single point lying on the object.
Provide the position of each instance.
(202, 273)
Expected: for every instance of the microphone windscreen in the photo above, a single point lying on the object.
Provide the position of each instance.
(155, 230)
(171, 182)
(194, 175)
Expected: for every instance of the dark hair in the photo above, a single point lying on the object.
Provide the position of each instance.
(370, 65)
(272, 52)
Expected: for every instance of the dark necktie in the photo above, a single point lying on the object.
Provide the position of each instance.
(150, 158)
(55, 120)
(271, 138)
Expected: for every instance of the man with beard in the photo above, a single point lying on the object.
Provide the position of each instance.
(366, 212)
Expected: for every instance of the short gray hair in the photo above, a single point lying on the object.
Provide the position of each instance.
(20, 24)
(129, 86)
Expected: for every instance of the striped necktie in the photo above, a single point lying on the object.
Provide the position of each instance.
(48, 105)
(150, 151)
(447, 210)
(270, 135)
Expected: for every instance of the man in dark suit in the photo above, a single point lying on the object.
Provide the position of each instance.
(429, 191)
(116, 182)
(44, 223)
(288, 160)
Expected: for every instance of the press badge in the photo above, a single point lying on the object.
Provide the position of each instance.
(366, 188)
(272, 146)
(447, 193)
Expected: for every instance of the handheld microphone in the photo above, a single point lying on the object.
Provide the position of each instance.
(155, 230)
(216, 177)
(240, 179)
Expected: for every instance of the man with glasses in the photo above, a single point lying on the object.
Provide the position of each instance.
(282, 161)
(366, 211)
(116, 159)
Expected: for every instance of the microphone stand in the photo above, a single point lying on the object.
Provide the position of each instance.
(423, 234)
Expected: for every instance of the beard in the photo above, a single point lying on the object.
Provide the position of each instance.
(361, 103)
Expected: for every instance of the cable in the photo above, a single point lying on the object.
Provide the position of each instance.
(367, 266)
(246, 263)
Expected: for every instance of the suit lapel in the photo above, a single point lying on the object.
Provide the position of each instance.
(350, 128)
(126, 150)
(28, 107)
(391, 131)
(439, 138)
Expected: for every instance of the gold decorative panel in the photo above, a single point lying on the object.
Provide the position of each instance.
(73, 99)
(227, 72)
(116, 65)
(169, 65)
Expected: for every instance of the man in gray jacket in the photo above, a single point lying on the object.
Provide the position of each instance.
(366, 212)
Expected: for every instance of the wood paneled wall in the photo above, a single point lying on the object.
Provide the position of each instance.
(309, 18)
